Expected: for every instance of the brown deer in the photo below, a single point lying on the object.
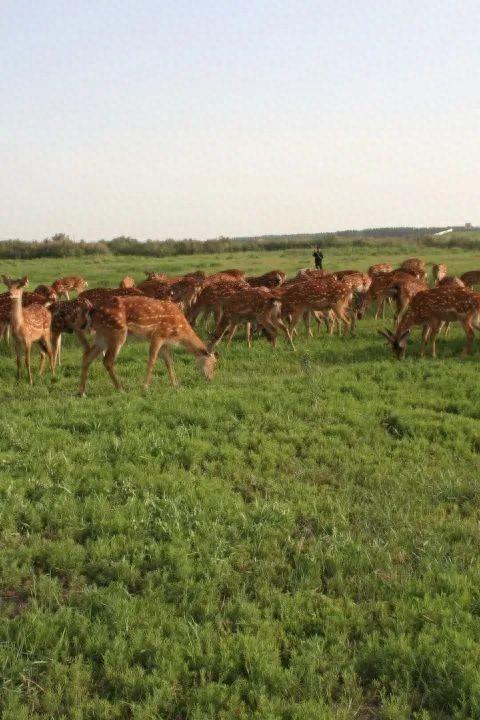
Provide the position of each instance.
(471, 278)
(439, 272)
(30, 324)
(28, 298)
(48, 292)
(246, 307)
(430, 308)
(66, 285)
(397, 285)
(211, 297)
(379, 268)
(316, 295)
(271, 279)
(70, 316)
(414, 266)
(161, 322)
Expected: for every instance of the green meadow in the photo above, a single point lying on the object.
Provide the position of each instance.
(297, 539)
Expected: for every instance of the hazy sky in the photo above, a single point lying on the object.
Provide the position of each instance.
(201, 118)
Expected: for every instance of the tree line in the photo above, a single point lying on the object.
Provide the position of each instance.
(61, 245)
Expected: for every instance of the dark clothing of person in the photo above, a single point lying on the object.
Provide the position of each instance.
(318, 255)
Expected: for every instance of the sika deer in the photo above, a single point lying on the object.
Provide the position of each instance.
(160, 322)
(439, 272)
(30, 324)
(471, 278)
(70, 316)
(379, 268)
(430, 308)
(251, 305)
(271, 279)
(66, 285)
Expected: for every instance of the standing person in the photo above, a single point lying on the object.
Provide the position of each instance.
(318, 256)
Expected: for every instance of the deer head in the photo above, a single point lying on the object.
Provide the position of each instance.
(207, 362)
(399, 344)
(16, 287)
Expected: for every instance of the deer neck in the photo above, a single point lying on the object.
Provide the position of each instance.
(16, 313)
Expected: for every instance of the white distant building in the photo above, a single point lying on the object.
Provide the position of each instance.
(443, 232)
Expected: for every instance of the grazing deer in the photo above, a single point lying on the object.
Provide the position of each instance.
(246, 307)
(46, 291)
(439, 272)
(152, 275)
(183, 291)
(398, 285)
(126, 282)
(271, 279)
(414, 266)
(30, 324)
(471, 278)
(211, 297)
(312, 295)
(379, 268)
(98, 295)
(160, 322)
(431, 308)
(66, 285)
(70, 316)
(451, 280)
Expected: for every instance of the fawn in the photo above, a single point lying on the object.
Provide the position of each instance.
(159, 321)
(431, 308)
(30, 324)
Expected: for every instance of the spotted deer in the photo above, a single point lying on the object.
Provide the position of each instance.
(70, 316)
(379, 268)
(126, 282)
(439, 272)
(159, 321)
(66, 285)
(414, 266)
(271, 279)
(471, 278)
(430, 308)
(397, 285)
(28, 298)
(250, 306)
(29, 324)
(316, 295)
(210, 299)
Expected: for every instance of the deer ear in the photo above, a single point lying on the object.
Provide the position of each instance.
(402, 340)
(24, 281)
(6, 279)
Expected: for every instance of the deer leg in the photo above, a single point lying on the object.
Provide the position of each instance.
(467, 326)
(306, 320)
(88, 357)
(248, 332)
(167, 358)
(231, 334)
(18, 355)
(109, 363)
(155, 346)
(220, 331)
(43, 356)
(296, 315)
(285, 329)
(28, 361)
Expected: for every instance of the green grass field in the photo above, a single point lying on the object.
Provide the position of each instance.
(298, 539)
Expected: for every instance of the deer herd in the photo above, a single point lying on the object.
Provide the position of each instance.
(165, 311)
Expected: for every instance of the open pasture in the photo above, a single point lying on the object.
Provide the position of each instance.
(297, 539)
